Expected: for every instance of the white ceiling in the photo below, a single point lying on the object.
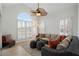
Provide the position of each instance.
(49, 7)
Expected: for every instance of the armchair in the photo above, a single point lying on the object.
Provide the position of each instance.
(7, 41)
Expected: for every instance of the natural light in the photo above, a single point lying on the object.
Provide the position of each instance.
(24, 25)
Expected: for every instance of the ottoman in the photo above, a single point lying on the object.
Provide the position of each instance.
(40, 44)
(33, 44)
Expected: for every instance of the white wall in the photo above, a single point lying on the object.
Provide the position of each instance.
(9, 18)
(0, 27)
(52, 21)
(78, 20)
(0, 19)
(75, 20)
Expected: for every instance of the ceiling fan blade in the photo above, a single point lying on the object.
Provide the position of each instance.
(33, 13)
(32, 10)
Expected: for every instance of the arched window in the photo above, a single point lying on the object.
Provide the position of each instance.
(24, 17)
(24, 25)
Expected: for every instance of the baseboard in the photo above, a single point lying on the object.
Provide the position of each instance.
(20, 41)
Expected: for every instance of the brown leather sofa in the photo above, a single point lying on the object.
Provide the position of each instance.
(7, 41)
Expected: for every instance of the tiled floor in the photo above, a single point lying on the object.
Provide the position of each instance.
(16, 50)
(0, 52)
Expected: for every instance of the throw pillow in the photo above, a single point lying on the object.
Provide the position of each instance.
(53, 43)
(62, 37)
(60, 46)
(63, 44)
(69, 38)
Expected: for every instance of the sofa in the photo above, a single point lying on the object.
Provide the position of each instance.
(71, 50)
(42, 40)
(7, 41)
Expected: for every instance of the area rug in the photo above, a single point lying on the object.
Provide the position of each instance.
(32, 52)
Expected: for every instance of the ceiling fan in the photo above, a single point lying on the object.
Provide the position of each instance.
(39, 12)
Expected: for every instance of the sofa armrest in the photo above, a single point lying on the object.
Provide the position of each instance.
(46, 51)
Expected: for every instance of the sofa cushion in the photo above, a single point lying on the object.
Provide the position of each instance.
(3, 38)
(47, 35)
(54, 36)
(74, 45)
(42, 35)
(45, 39)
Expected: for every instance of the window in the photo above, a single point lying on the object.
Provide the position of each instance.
(21, 30)
(65, 26)
(24, 26)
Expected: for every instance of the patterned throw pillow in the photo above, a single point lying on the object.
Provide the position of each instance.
(62, 37)
(60, 46)
(69, 38)
(64, 43)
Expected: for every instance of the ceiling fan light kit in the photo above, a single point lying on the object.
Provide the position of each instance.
(39, 12)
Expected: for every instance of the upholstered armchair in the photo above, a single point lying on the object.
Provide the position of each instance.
(7, 41)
